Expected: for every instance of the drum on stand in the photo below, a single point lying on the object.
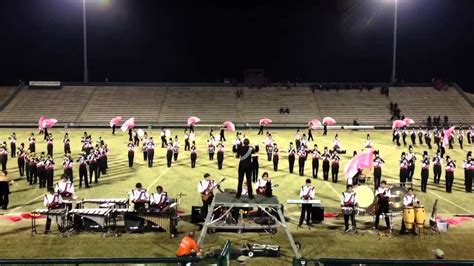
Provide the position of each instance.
(420, 216)
(409, 217)
(347, 210)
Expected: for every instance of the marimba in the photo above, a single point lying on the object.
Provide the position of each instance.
(101, 217)
(58, 213)
(155, 220)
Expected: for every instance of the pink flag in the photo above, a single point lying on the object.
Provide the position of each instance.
(49, 123)
(130, 123)
(363, 160)
(40, 122)
(265, 121)
(229, 126)
(115, 121)
(193, 120)
(313, 124)
(447, 134)
(398, 124)
(329, 121)
(409, 121)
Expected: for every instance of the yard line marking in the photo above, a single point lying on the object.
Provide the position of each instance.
(445, 199)
(332, 188)
(156, 179)
(29, 202)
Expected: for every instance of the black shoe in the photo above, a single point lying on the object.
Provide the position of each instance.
(251, 197)
(237, 196)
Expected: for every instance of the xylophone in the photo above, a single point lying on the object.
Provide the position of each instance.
(101, 217)
(104, 203)
(58, 213)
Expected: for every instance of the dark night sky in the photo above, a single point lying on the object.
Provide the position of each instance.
(318, 40)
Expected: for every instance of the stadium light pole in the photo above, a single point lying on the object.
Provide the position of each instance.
(84, 26)
(394, 59)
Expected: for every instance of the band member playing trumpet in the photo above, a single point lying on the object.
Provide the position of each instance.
(425, 171)
(131, 153)
(306, 193)
(206, 188)
(139, 196)
(159, 201)
(276, 157)
(378, 162)
(383, 196)
(52, 200)
(348, 205)
(409, 200)
(468, 172)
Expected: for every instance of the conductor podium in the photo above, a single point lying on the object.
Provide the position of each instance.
(225, 205)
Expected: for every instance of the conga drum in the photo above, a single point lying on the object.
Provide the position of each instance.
(409, 217)
(420, 216)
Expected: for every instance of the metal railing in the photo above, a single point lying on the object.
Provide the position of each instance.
(340, 261)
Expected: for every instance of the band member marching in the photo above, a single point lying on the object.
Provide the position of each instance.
(4, 157)
(131, 153)
(335, 166)
(92, 162)
(428, 138)
(409, 200)
(420, 134)
(49, 171)
(32, 143)
(383, 196)
(145, 153)
(411, 157)
(193, 155)
(301, 160)
(211, 149)
(413, 137)
(460, 137)
(12, 139)
(159, 201)
(368, 142)
(49, 145)
(176, 147)
(66, 144)
(275, 157)
(437, 161)
(220, 155)
(307, 192)
(291, 157)
(20, 154)
(449, 168)
(82, 161)
(404, 136)
(298, 139)
(326, 158)
(470, 135)
(425, 171)
(67, 166)
(315, 161)
(310, 135)
(378, 162)
(52, 200)
(404, 164)
(150, 152)
(396, 136)
(348, 205)
(187, 145)
(269, 146)
(468, 172)
(163, 138)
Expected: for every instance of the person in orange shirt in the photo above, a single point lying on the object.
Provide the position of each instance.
(188, 246)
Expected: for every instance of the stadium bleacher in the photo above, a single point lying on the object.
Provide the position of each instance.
(420, 102)
(173, 105)
(5, 92)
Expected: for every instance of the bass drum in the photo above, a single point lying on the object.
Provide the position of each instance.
(365, 196)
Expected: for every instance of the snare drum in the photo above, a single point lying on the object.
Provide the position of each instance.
(347, 210)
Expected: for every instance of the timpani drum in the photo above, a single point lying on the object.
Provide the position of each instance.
(409, 217)
(420, 216)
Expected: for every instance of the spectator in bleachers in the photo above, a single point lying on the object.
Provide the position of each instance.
(282, 111)
(428, 121)
(287, 110)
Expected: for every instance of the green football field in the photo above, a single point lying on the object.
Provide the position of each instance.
(324, 240)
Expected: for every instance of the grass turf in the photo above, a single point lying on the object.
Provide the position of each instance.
(325, 240)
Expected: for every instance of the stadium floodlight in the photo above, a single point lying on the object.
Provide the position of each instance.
(84, 26)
